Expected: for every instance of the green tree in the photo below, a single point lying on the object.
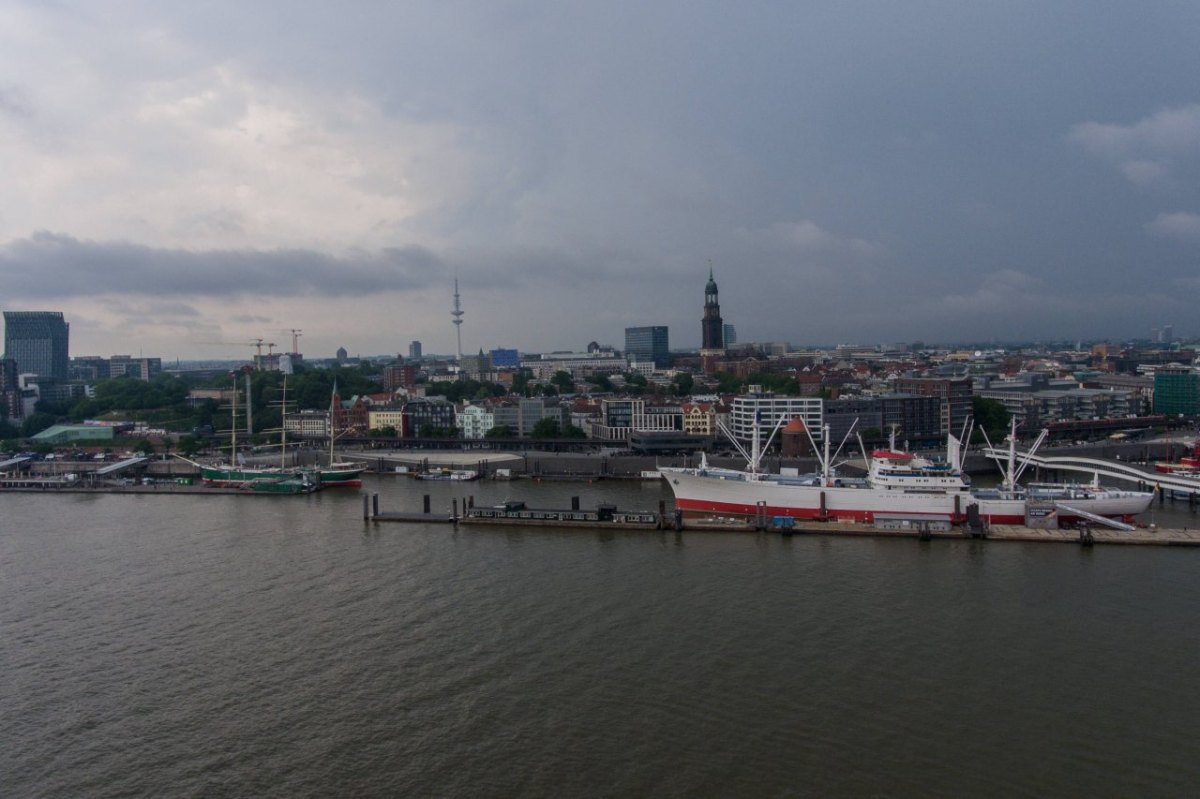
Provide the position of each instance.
(520, 384)
(144, 446)
(572, 431)
(601, 382)
(547, 427)
(500, 431)
(563, 381)
(35, 423)
(991, 416)
(189, 445)
(684, 384)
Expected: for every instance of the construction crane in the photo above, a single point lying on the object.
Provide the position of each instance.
(296, 333)
(257, 343)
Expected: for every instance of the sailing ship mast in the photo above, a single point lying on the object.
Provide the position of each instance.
(233, 425)
(283, 426)
(332, 399)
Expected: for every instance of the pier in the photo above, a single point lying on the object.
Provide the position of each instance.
(607, 517)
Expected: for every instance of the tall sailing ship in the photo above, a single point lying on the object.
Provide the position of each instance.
(279, 478)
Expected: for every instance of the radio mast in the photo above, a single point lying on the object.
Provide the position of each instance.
(457, 313)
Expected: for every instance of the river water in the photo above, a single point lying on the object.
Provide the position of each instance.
(280, 646)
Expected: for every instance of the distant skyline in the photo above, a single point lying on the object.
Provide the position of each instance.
(182, 174)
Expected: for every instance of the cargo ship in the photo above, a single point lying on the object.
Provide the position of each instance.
(898, 484)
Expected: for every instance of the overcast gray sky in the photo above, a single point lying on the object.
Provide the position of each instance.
(181, 173)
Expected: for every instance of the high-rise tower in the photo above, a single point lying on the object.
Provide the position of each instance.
(457, 313)
(37, 340)
(711, 327)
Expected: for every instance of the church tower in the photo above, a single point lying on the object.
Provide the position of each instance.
(711, 326)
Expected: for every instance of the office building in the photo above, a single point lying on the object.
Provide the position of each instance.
(505, 359)
(954, 393)
(37, 341)
(1176, 390)
(648, 344)
(769, 409)
(414, 350)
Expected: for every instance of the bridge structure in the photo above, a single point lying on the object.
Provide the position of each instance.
(1098, 466)
(120, 466)
(14, 463)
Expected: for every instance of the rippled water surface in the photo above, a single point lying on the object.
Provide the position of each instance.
(279, 646)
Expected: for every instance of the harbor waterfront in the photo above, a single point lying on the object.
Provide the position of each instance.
(209, 645)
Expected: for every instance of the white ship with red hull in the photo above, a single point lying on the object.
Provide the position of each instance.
(897, 484)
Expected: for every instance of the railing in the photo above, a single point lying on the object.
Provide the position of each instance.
(1114, 469)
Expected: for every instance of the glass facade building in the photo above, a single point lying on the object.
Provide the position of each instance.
(37, 341)
(648, 344)
(1176, 391)
(505, 359)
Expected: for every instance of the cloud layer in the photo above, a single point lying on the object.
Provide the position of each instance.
(180, 173)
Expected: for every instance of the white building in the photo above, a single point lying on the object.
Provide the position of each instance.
(770, 409)
(307, 424)
(474, 421)
(582, 363)
(386, 417)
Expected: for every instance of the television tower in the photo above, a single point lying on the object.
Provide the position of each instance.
(457, 313)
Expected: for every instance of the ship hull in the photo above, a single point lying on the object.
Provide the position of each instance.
(705, 495)
(342, 475)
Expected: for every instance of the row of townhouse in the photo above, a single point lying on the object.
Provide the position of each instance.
(617, 419)
(419, 416)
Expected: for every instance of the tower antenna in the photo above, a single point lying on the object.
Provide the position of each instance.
(457, 313)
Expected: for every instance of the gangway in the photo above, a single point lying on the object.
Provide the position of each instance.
(11, 462)
(1092, 517)
(120, 466)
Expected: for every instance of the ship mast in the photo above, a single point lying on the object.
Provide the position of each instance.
(756, 444)
(283, 426)
(331, 432)
(1010, 476)
(249, 411)
(233, 425)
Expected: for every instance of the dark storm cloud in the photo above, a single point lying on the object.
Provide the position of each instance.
(865, 171)
(49, 265)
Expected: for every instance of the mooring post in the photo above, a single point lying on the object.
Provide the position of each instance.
(574, 503)
(471, 499)
(454, 511)
(374, 505)
(366, 507)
